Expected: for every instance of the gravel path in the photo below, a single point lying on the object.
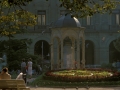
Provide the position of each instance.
(91, 88)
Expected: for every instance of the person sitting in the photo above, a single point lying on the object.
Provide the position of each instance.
(4, 74)
(20, 76)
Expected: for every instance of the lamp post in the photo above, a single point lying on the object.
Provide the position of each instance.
(42, 50)
(42, 53)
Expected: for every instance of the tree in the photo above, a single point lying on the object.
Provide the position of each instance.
(83, 8)
(13, 18)
(17, 51)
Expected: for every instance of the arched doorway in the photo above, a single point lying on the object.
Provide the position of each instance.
(89, 52)
(42, 48)
(114, 55)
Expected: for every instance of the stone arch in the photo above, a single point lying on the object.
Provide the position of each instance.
(31, 49)
(40, 38)
(95, 41)
(57, 37)
(109, 40)
(72, 34)
(108, 44)
(42, 48)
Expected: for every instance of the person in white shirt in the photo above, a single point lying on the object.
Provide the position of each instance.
(29, 64)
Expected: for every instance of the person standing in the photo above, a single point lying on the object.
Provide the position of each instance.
(23, 66)
(29, 68)
(39, 69)
(114, 64)
(4, 74)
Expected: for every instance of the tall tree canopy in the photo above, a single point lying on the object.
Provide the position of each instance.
(82, 8)
(13, 18)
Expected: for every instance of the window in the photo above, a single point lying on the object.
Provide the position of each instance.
(88, 20)
(41, 17)
(115, 17)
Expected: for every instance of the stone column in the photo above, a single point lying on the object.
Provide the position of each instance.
(52, 54)
(61, 53)
(83, 52)
(58, 56)
(78, 54)
(73, 54)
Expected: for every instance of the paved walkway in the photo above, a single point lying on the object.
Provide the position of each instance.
(91, 88)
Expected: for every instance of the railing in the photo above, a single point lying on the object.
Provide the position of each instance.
(114, 27)
(38, 28)
(55, 66)
(101, 28)
(93, 66)
(89, 28)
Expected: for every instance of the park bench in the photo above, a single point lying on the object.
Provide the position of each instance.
(13, 84)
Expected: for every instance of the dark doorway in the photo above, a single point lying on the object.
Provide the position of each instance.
(114, 55)
(89, 52)
(42, 48)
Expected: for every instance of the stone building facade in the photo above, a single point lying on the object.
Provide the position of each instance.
(101, 30)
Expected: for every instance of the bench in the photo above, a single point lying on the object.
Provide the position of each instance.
(13, 84)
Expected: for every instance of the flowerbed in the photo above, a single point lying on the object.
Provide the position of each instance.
(85, 75)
